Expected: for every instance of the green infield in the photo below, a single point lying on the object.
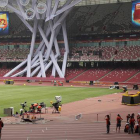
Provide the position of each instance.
(13, 96)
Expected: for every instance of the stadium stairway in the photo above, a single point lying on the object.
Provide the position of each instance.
(106, 74)
(133, 76)
(120, 75)
(120, 49)
(65, 131)
(79, 75)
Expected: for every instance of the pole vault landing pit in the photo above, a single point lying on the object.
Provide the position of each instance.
(131, 99)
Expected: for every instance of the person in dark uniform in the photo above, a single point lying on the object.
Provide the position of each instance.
(107, 118)
(128, 117)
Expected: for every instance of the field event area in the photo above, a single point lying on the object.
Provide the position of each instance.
(14, 95)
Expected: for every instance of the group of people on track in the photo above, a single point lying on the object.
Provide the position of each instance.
(129, 124)
(128, 128)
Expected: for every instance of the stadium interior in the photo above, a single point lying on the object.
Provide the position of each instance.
(102, 74)
(103, 44)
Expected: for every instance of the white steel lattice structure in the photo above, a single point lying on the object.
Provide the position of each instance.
(53, 17)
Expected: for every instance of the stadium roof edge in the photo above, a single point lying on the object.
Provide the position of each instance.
(95, 2)
(82, 3)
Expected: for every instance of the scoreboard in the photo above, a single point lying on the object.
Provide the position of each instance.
(4, 23)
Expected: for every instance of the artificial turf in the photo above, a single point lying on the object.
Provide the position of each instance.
(13, 96)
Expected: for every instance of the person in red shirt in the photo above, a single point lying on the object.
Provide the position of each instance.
(131, 123)
(107, 118)
(118, 119)
(1, 125)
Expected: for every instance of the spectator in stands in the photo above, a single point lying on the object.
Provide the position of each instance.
(131, 123)
(128, 117)
(107, 118)
(115, 52)
(1, 125)
(118, 119)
